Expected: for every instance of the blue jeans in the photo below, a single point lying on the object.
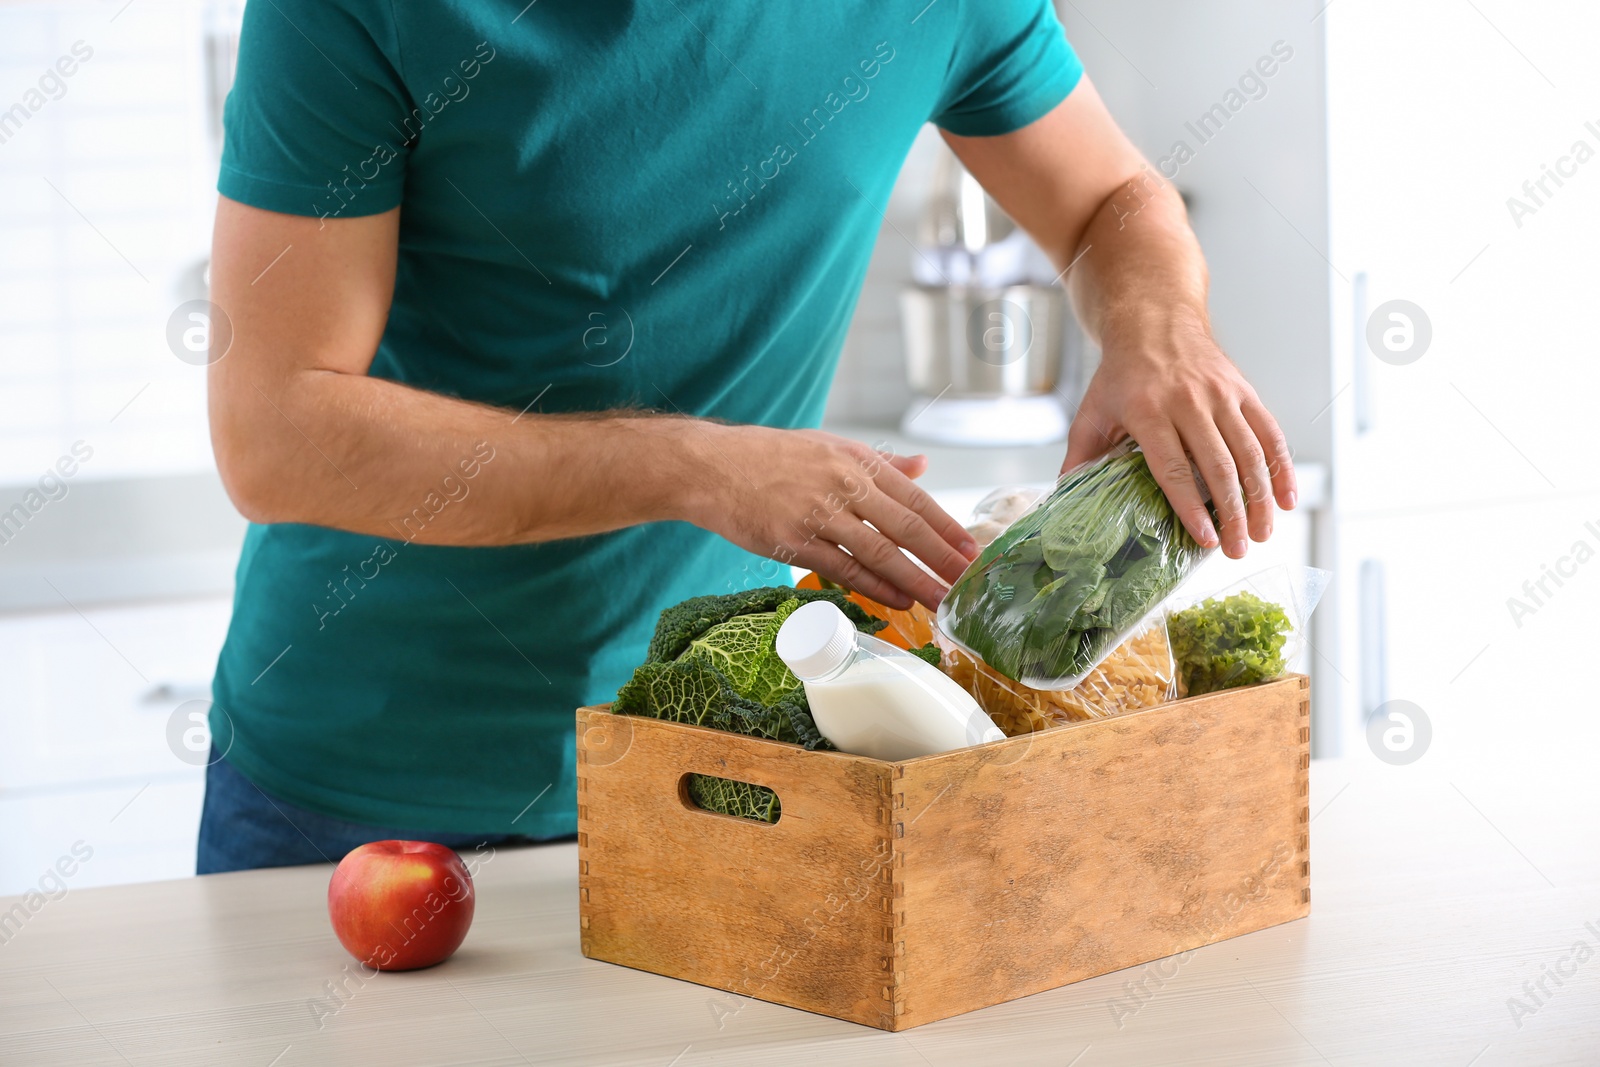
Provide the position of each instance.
(242, 828)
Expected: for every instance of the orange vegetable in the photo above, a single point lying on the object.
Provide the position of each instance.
(904, 626)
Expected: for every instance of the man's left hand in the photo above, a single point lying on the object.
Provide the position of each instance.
(1169, 387)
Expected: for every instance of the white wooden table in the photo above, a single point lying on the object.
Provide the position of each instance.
(1438, 890)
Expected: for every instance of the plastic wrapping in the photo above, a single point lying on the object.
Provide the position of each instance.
(997, 511)
(1074, 577)
(915, 625)
(1245, 632)
(1139, 673)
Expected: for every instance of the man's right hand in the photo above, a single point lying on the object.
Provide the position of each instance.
(828, 503)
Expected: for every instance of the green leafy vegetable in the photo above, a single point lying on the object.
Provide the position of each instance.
(744, 651)
(928, 653)
(1050, 597)
(713, 662)
(682, 623)
(728, 797)
(695, 694)
(1220, 644)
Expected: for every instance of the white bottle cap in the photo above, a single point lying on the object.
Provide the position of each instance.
(816, 640)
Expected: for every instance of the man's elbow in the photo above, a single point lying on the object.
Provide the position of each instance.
(250, 489)
(250, 470)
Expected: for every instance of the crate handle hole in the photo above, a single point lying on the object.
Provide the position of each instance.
(730, 798)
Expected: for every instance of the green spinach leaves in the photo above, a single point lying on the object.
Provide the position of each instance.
(1067, 581)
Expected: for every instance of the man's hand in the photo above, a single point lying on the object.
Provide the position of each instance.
(830, 504)
(1171, 389)
(1122, 238)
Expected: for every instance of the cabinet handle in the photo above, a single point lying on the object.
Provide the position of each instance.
(1373, 638)
(1360, 363)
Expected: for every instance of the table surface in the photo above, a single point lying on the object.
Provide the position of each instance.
(1439, 889)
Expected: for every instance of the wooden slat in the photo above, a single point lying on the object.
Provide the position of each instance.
(1103, 846)
(794, 912)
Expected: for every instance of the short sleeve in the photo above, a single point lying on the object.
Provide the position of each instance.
(1012, 65)
(315, 123)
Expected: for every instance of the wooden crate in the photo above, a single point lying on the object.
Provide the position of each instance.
(895, 894)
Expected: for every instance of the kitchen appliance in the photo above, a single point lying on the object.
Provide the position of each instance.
(992, 350)
(984, 363)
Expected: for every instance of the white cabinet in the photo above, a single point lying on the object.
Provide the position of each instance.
(133, 832)
(1464, 178)
(86, 754)
(1437, 117)
(1486, 615)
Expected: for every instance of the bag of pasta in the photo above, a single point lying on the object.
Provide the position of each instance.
(1074, 577)
(1139, 673)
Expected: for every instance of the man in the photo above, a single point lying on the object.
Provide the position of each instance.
(531, 306)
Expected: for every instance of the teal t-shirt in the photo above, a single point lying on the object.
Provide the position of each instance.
(603, 204)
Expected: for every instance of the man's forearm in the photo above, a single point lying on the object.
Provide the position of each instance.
(373, 456)
(1139, 271)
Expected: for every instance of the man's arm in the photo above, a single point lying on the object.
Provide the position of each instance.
(302, 434)
(1138, 282)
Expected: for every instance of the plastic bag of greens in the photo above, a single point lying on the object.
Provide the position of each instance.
(1138, 673)
(1246, 632)
(1071, 579)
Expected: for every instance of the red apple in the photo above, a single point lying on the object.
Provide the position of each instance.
(399, 905)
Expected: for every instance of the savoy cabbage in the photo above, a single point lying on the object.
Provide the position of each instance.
(713, 662)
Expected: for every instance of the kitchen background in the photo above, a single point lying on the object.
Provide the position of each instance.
(1434, 152)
